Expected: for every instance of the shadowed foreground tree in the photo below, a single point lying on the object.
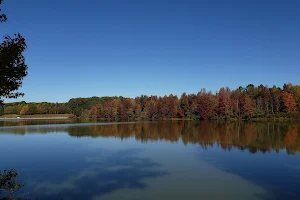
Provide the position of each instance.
(12, 64)
(12, 71)
(9, 184)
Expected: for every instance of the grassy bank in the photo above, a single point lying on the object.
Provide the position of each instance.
(42, 116)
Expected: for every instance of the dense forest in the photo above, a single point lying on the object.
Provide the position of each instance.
(241, 103)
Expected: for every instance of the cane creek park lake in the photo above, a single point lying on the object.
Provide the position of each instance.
(152, 160)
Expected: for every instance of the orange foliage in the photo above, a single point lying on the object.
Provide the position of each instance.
(93, 112)
(289, 101)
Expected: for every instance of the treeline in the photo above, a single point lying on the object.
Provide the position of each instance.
(243, 102)
(23, 108)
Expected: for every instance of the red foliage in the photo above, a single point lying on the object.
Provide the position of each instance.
(205, 105)
(93, 112)
(181, 113)
(223, 109)
(247, 105)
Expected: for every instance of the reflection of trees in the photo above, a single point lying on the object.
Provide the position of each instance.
(253, 136)
(35, 129)
(290, 139)
(242, 135)
(24, 122)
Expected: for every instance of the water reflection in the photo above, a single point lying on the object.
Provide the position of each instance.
(255, 137)
(104, 161)
(26, 122)
(104, 172)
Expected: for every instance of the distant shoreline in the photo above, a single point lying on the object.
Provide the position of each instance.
(70, 116)
(35, 117)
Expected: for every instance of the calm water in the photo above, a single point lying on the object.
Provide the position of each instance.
(154, 160)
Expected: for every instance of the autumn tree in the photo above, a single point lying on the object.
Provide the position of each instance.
(128, 108)
(247, 105)
(137, 109)
(173, 106)
(184, 105)
(164, 108)
(289, 102)
(41, 108)
(122, 114)
(142, 100)
(266, 99)
(14, 108)
(295, 90)
(243, 103)
(25, 110)
(204, 104)
(106, 111)
(223, 109)
(114, 108)
(188, 106)
(12, 64)
(93, 112)
(169, 106)
(235, 102)
(152, 108)
(275, 99)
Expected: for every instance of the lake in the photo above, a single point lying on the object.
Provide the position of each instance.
(152, 160)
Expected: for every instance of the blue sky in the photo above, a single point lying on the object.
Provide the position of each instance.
(133, 47)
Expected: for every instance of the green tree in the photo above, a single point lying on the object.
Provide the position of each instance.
(1, 110)
(12, 64)
(32, 109)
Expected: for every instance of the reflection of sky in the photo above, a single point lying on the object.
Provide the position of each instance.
(57, 165)
(278, 172)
